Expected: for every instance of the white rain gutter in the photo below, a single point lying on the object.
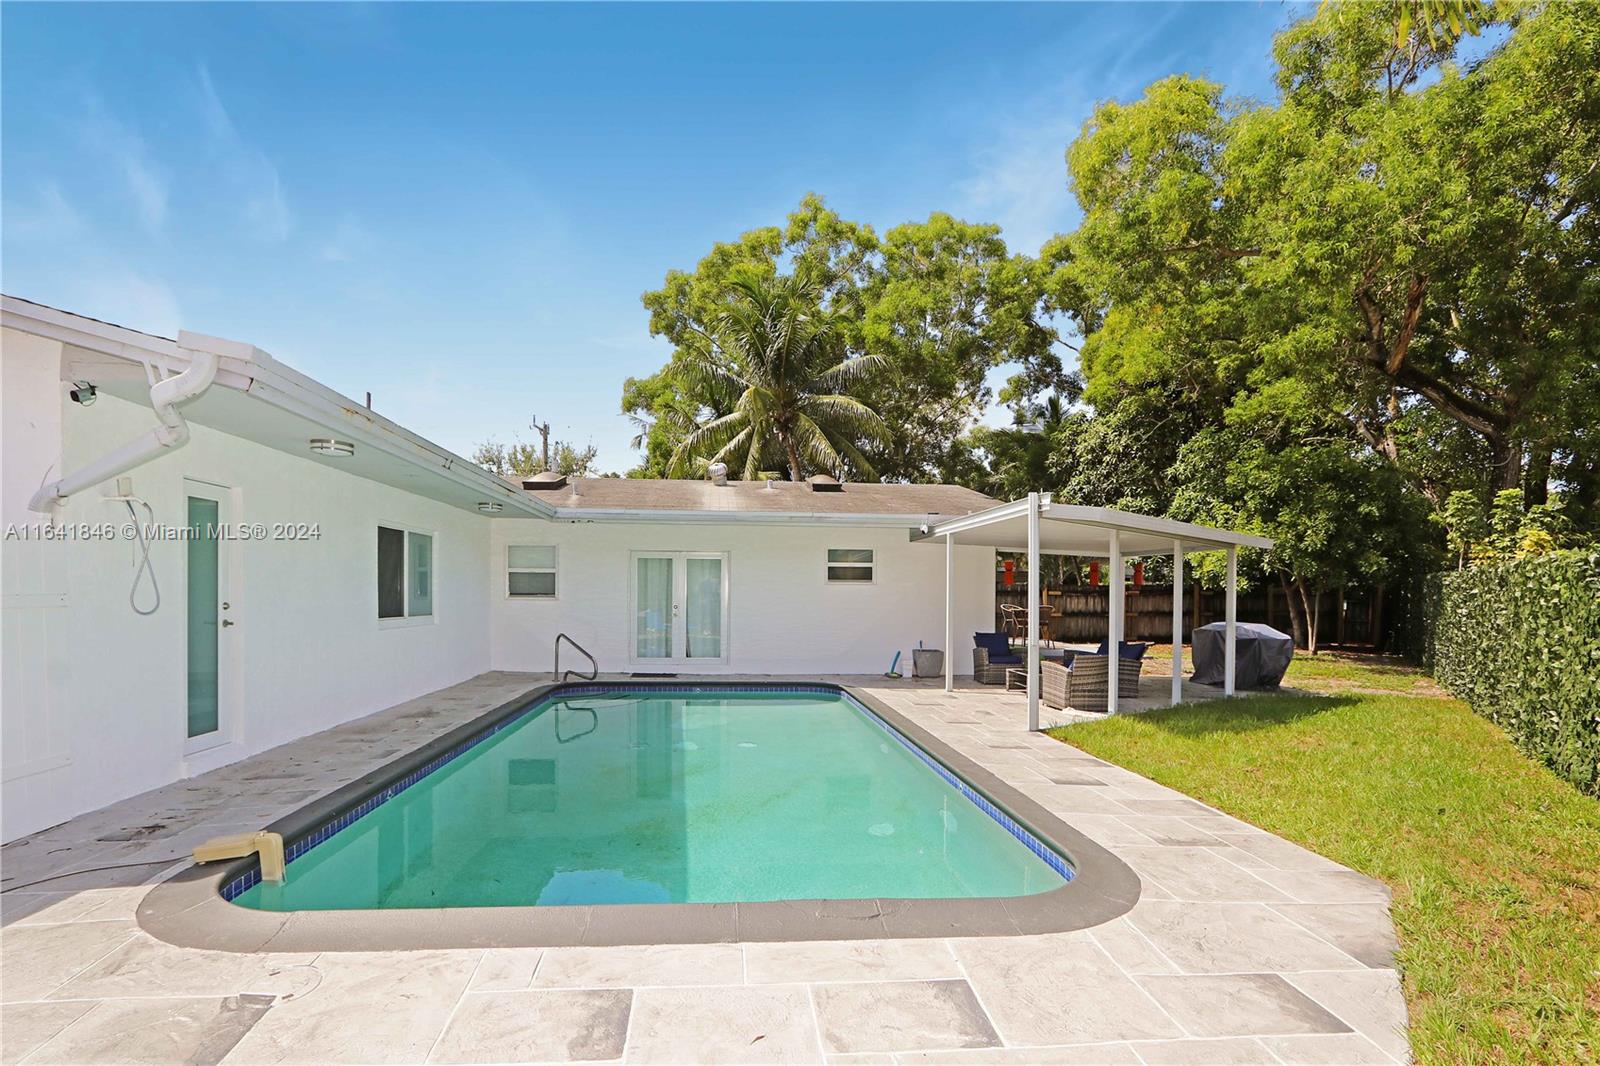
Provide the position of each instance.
(250, 370)
(169, 435)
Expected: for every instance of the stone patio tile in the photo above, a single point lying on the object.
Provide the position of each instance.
(636, 967)
(1077, 799)
(37, 959)
(505, 970)
(1170, 830)
(1200, 874)
(1227, 1051)
(24, 1026)
(1351, 1049)
(156, 1031)
(849, 960)
(369, 1007)
(44, 908)
(723, 1025)
(1172, 808)
(566, 1026)
(1281, 853)
(901, 1016)
(145, 966)
(1361, 930)
(1131, 949)
(1107, 829)
(1026, 982)
(1117, 1054)
(1233, 938)
(865, 1058)
(1370, 1001)
(1327, 886)
(1251, 1004)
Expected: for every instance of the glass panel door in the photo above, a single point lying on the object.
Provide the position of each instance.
(654, 608)
(205, 599)
(703, 603)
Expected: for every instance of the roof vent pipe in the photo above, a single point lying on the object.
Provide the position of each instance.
(171, 433)
(719, 473)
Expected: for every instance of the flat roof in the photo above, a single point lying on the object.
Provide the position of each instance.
(1069, 529)
(621, 495)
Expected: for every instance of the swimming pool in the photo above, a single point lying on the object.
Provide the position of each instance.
(615, 796)
(659, 812)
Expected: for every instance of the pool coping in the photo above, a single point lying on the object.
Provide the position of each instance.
(188, 909)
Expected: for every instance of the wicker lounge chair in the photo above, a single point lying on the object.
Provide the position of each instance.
(989, 661)
(1082, 686)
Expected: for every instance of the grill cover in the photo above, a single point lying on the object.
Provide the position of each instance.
(1263, 654)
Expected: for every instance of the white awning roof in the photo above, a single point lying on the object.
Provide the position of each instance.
(1066, 529)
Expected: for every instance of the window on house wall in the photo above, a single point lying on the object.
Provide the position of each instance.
(850, 564)
(531, 571)
(405, 573)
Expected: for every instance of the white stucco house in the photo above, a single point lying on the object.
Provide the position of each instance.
(357, 565)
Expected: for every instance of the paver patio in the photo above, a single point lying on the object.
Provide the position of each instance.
(1243, 947)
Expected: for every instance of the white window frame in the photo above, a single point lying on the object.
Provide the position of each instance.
(406, 621)
(554, 569)
(870, 567)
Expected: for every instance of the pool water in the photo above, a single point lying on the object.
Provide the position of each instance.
(638, 797)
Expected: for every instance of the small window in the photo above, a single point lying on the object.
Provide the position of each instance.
(405, 573)
(849, 564)
(531, 571)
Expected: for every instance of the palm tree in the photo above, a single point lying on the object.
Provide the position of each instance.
(781, 358)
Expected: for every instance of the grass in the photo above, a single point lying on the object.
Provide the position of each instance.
(1494, 862)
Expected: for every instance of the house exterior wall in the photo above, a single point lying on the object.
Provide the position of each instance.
(95, 695)
(784, 616)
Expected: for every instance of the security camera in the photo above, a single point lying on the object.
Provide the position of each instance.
(82, 392)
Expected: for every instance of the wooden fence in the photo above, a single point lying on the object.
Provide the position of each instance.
(1348, 616)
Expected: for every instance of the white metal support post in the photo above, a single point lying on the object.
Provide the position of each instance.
(1231, 619)
(1114, 625)
(949, 613)
(1035, 589)
(1177, 622)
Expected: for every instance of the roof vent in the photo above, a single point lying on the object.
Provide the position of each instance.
(824, 483)
(544, 481)
(719, 473)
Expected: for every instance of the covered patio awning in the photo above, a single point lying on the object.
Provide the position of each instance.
(1036, 525)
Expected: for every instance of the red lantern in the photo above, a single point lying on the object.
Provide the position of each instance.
(1094, 572)
(1010, 567)
(1138, 574)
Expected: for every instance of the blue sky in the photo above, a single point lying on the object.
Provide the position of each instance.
(457, 207)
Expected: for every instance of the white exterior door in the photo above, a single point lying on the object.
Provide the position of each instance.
(679, 608)
(209, 606)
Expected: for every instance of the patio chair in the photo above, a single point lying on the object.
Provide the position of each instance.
(1014, 620)
(992, 657)
(1082, 686)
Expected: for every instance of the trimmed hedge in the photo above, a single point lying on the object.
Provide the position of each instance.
(1519, 642)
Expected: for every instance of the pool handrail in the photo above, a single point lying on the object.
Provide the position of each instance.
(594, 666)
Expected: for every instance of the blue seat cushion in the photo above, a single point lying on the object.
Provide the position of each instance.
(998, 645)
(1125, 649)
(1004, 660)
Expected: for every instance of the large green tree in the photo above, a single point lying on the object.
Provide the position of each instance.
(1400, 240)
(935, 305)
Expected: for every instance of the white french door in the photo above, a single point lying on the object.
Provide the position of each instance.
(680, 608)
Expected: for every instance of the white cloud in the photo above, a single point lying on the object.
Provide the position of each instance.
(345, 243)
(46, 215)
(1020, 172)
(145, 182)
(246, 168)
(130, 299)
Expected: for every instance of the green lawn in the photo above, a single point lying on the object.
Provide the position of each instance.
(1494, 862)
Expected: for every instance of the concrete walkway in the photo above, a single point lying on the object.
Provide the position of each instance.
(1244, 948)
